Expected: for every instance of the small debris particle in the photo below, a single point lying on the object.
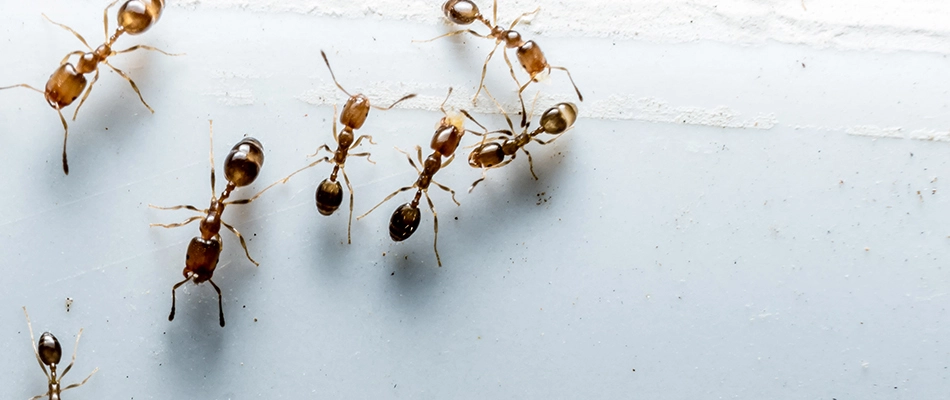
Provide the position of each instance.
(393, 274)
(69, 302)
(255, 319)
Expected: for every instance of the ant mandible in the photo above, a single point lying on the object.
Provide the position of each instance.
(48, 355)
(405, 219)
(329, 194)
(465, 12)
(241, 167)
(498, 151)
(67, 82)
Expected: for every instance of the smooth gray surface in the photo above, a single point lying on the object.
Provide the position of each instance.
(653, 260)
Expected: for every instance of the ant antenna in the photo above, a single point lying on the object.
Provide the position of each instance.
(334, 76)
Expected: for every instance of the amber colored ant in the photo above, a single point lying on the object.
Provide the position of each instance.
(67, 82)
(241, 167)
(465, 12)
(498, 151)
(48, 355)
(329, 194)
(405, 219)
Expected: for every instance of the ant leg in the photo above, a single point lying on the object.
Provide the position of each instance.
(183, 223)
(75, 53)
(579, 96)
(419, 156)
(517, 20)
(189, 207)
(211, 153)
(131, 82)
(435, 217)
(220, 307)
(245, 201)
(243, 244)
(105, 18)
(524, 114)
(481, 82)
(86, 95)
(65, 136)
(448, 161)
(406, 97)
(453, 33)
(363, 155)
(494, 13)
(469, 116)
(447, 189)
(349, 224)
(41, 396)
(336, 136)
(324, 147)
(144, 47)
(497, 104)
(552, 139)
(530, 163)
(391, 195)
(408, 157)
(76, 385)
(75, 349)
(78, 36)
(33, 340)
(171, 315)
(360, 139)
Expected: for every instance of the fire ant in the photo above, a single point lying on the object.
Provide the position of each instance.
(67, 82)
(48, 355)
(445, 141)
(495, 152)
(465, 12)
(329, 194)
(241, 167)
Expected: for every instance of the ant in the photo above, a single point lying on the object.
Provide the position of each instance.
(445, 141)
(495, 152)
(48, 355)
(67, 82)
(329, 194)
(241, 167)
(465, 12)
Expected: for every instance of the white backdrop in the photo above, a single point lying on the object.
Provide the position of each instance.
(750, 206)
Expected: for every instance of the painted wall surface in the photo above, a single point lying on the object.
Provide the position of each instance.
(751, 205)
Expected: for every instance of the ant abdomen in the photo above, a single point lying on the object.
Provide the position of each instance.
(329, 196)
(49, 349)
(136, 16)
(355, 111)
(64, 86)
(486, 156)
(404, 222)
(462, 12)
(202, 258)
(559, 118)
(244, 162)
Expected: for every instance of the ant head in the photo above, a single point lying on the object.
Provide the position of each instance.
(486, 155)
(136, 16)
(49, 349)
(201, 258)
(462, 12)
(559, 118)
(329, 196)
(448, 134)
(355, 111)
(244, 162)
(64, 86)
(404, 222)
